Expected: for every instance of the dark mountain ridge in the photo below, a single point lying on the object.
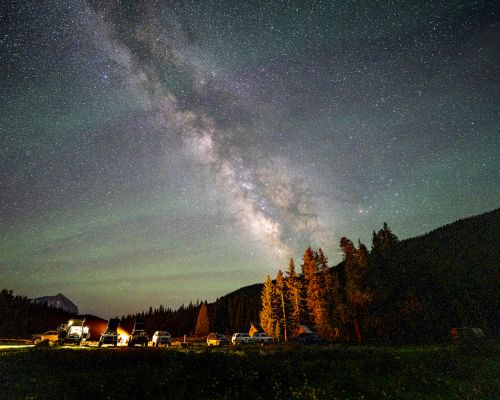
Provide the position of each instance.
(58, 301)
(454, 271)
(464, 253)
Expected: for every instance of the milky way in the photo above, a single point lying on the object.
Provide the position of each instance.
(161, 152)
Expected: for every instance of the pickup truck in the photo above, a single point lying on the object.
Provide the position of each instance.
(110, 335)
(161, 337)
(138, 335)
(242, 338)
(217, 339)
(75, 331)
(50, 336)
(262, 338)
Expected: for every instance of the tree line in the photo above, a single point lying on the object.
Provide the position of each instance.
(398, 291)
(228, 314)
(332, 300)
(21, 317)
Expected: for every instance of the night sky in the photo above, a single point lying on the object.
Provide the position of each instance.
(160, 152)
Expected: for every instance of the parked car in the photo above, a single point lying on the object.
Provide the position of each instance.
(262, 338)
(110, 335)
(472, 339)
(467, 335)
(242, 338)
(138, 335)
(217, 339)
(309, 339)
(51, 336)
(74, 331)
(161, 337)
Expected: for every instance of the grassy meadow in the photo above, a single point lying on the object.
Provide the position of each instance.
(273, 372)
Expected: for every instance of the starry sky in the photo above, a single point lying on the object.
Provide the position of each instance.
(161, 152)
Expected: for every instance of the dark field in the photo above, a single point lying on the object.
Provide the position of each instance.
(249, 373)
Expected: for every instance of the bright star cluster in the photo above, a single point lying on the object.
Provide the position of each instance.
(162, 152)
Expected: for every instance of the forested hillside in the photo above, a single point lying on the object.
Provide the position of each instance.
(398, 291)
(234, 311)
(453, 275)
(414, 290)
(230, 313)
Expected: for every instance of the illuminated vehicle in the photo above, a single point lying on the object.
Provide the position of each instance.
(242, 338)
(110, 336)
(161, 337)
(262, 338)
(51, 336)
(74, 332)
(217, 339)
(138, 335)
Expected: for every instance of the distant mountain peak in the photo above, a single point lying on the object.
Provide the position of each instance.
(58, 301)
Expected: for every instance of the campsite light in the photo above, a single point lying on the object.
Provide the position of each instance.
(123, 336)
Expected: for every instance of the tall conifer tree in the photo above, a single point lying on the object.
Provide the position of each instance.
(294, 298)
(267, 314)
(315, 296)
(357, 295)
(202, 323)
(383, 275)
(311, 285)
(281, 297)
(325, 296)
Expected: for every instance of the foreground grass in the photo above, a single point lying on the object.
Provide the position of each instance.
(249, 373)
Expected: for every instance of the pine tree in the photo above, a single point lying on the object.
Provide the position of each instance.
(383, 240)
(325, 276)
(202, 323)
(327, 296)
(294, 298)
(325, 323)
(315, 291)
(337, 308)
(356, 294)
(281, 297)
(310, 282)
(383, 277)
(267, 313)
